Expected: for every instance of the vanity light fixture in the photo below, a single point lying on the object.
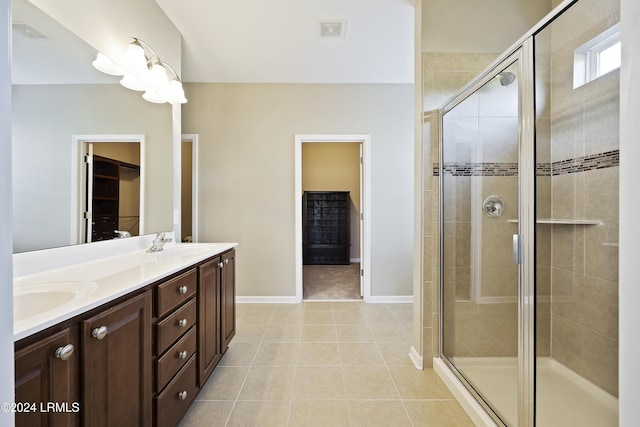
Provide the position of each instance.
(144, 71)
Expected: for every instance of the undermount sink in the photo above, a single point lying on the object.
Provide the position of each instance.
(33, 300)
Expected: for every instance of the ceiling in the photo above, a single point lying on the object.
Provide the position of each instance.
(277, 41)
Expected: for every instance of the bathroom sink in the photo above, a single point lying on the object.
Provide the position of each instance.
(186, 249)
(33, 300)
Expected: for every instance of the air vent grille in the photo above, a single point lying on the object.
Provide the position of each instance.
(332, 29)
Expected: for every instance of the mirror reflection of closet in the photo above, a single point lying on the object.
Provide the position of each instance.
(112, 183)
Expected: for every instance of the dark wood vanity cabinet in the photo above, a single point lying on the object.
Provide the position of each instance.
(47, 371)
(228, 298)
(217, 311)
(175, 347)
(116, 368)
(137, 361)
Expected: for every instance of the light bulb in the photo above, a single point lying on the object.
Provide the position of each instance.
(152, 96)
(132, 83)
(135, 57)
(157, 76)
(175, 93)
(107, 66)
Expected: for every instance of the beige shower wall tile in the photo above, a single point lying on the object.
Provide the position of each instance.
(543, 330)
(602, 124)
(543, 199)
(499, 281)
(601, 361)
(568, 196)
(568, 343)
(498, 327)
(568, 298)
(568, 248)
(567, 134)
(601, 306)
(601, 252)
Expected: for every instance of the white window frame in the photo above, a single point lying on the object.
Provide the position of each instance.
(586, 58)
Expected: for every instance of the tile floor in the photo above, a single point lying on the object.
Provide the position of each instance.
(323, 364)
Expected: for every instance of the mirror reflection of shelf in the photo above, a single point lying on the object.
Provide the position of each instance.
(563, 221)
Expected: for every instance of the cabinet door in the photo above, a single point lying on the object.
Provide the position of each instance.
(116, 351)
(208, 318)
(47, 371)
(228, 298)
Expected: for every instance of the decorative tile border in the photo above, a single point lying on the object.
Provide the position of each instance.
(604, 160)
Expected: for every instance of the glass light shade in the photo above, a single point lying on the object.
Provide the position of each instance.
(107, 66)
(152, 96)
(175, 93)
(135, 58)
(157, 77)
(132, 83)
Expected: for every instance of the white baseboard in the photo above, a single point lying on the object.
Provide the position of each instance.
(416, 358)
(390, 299)
(473, 409)
(267, 300)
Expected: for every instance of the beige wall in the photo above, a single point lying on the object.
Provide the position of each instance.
(335, 167)
(478, 26)
(246, 135)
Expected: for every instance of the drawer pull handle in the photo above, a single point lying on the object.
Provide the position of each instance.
(182, 395)
(64, 353)
(100, 332)
(182, 354)
(220, 265)
(182, 323)
(183, 290)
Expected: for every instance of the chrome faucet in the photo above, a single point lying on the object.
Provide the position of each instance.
(158, 243)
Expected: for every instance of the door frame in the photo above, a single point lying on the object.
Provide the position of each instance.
(193, 138)
(78, 151)
(365, 208)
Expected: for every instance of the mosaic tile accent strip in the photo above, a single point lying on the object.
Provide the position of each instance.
(604, 160)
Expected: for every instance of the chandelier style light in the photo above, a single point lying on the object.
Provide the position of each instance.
(142, 70)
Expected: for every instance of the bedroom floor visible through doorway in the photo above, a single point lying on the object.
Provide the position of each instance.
(331, 282)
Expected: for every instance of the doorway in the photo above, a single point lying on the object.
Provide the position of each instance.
(331, 225)
(189, 188)
(110, 183)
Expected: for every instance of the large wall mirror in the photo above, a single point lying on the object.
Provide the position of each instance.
(59, 103)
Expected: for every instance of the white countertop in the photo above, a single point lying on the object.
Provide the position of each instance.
(101, 280)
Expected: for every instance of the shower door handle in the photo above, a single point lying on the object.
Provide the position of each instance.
(517, 249)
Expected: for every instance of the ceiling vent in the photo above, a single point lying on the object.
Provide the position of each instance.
(332, 28)
(28, 30)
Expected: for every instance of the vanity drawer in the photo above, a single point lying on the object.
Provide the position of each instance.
(174, 292)
(175, 399)
(175, 358)
(170, 329)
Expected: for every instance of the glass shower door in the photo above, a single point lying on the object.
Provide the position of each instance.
(479, 176)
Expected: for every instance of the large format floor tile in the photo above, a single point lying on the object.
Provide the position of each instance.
(323, 364)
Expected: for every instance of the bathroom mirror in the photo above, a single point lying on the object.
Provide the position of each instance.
(60, 100)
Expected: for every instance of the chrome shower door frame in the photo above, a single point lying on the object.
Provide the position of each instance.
(523, 54)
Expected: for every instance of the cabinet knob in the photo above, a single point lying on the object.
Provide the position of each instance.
(182, 354)
(183, 290)
(182, 323)
(220, 265)
(100, 332)
(64, 353)
(226, 261)
(182, 395)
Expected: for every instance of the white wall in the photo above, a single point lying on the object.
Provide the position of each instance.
(6, 290)
(247, 173)
(629, 293)
(108, 26)
(44, 119)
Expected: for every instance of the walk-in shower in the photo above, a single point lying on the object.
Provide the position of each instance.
(528, 174)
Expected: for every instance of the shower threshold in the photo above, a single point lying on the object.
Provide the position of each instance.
(564, 398)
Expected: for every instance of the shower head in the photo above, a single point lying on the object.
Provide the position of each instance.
(506, 78)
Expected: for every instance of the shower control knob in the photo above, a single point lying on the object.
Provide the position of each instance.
(493, 206)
